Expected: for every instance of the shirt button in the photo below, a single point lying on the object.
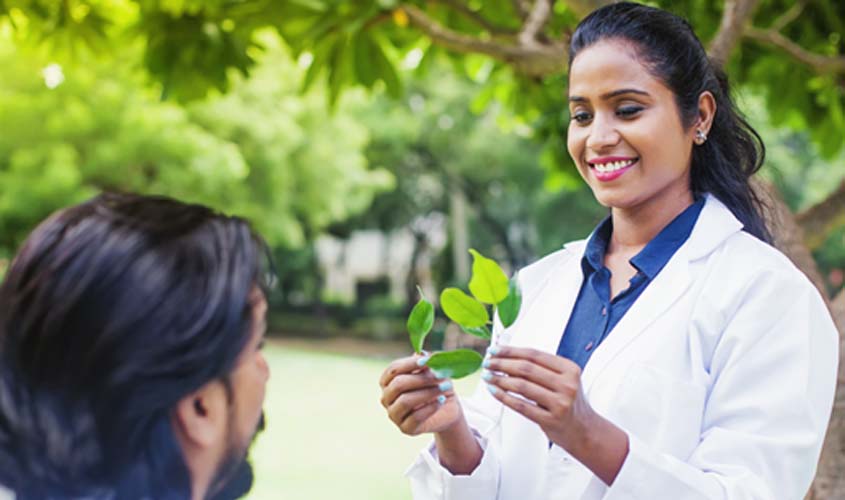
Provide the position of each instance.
(588, 346)
(604, 311)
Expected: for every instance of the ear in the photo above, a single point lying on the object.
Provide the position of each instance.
(706, 113)
(200, 418)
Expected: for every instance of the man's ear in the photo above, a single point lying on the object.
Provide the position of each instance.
(200, 418)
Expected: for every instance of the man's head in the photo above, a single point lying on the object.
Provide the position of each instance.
(130, 330)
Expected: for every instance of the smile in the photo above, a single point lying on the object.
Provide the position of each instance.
(613, 165)
(611, 168)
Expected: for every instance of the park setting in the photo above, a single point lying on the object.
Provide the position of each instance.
(374, 144)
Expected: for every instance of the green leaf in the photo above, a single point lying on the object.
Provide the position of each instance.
(318, 63)
(479, 331)
(463, 309)
(455, 364)
(509, 308)
(387, 71)
(489, 284)
(338, 69)
(420, 322)
(364, 49)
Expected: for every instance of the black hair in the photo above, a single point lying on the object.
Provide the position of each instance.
(667, 45)
(112, 311)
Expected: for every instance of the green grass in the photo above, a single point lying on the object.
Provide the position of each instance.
(327, 435)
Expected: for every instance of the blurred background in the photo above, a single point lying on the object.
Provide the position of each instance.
(372, 143)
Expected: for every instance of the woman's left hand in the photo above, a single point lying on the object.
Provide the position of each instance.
(543, 387)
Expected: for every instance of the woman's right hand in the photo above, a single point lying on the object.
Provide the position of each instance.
(416, 400)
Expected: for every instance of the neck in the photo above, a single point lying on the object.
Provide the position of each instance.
(634, 227)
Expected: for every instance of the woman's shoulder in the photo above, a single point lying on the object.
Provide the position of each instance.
(744, 271)
(743, 254)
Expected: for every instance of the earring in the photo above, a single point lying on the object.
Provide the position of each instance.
(700, 137)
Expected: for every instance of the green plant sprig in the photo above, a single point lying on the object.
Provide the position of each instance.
(489, 286)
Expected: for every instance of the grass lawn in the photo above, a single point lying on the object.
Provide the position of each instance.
(327, 436)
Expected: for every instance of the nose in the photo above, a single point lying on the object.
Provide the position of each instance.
(602, 134)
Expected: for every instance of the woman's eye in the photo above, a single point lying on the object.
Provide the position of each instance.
(628, 111)
(581, 117)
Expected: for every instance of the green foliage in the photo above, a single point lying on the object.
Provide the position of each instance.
(482, 332)
(191, 46)
(471, 314)
(454, 364)
(509, 308)
(489, 284)
(420, 322)
(463, 309)
(262, 150)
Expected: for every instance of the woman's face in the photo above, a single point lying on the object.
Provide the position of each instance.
(626, 135)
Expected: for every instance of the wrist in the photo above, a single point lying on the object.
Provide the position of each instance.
(602, 447)
(457, 448)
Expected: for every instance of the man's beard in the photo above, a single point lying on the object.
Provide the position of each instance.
(234, 476)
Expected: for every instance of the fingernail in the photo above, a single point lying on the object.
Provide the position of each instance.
(441, 399)
(485, 363)
(493, 350)
(423, 360)
(445, 385)
(438, 374)
(492, 389)
(487, 375)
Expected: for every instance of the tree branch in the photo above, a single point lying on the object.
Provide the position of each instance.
(734, 18)
(537, 59)
(837, 309)
(536, 21)
(789, 16)
(521, 7)
(477, 18)
(788, 235)
(818, 62)
(583, 7)
(818, 220)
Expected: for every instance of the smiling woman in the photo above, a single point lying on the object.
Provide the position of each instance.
(672, 354)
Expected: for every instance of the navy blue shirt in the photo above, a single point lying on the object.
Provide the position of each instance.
(594, 314)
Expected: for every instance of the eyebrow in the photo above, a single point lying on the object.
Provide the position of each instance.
(610, 95)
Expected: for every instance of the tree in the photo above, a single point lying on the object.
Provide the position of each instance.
(436, 147)
(262, 150)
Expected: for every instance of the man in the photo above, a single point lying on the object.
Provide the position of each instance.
(130, 362)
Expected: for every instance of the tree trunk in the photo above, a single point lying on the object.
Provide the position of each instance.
(829, 483)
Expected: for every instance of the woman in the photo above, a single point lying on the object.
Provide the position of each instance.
(674, 354)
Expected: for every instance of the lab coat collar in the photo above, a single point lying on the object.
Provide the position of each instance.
(715, 224)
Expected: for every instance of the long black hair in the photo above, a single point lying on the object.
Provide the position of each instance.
(666, 43)
(112, 311)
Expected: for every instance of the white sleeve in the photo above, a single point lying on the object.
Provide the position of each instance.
(432, 481)
(773, 380)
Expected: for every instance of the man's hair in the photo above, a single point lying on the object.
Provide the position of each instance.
(112, 311)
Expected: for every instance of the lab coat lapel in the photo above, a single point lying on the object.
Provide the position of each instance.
(668, 286)
(549, 313)
(715, 224)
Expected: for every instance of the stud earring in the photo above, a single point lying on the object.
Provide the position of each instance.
(700, 137)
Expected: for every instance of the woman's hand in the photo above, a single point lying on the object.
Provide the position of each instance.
(417, 401)
(546, 389)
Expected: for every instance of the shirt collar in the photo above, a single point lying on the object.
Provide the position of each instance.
(662, 247)
(593, 259)
(654, 256)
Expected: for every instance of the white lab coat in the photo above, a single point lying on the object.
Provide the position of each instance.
(722, 374)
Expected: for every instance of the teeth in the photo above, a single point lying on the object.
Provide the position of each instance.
(612, 166)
